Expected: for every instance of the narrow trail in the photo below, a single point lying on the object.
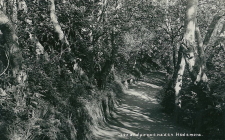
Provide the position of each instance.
(139, 113)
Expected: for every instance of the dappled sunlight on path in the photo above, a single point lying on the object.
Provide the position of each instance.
(139, 113)
(150, 85)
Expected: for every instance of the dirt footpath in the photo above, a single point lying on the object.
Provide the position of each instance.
(139, 116)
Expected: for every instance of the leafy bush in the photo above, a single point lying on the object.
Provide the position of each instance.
(52, 104)
(212, 104)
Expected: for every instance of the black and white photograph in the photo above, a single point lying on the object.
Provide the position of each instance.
(112, 69)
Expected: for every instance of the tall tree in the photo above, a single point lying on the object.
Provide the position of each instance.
(192, 54)
(187, 47)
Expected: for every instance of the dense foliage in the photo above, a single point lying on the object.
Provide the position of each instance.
(75, 53)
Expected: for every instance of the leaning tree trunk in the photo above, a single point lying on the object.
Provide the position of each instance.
(219, 41)
(9, 33)
(211, 28)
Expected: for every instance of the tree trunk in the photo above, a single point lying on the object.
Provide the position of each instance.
(211, 28)
(3, 5)
(201, 76)
(57, 26)
(8, 30)
(220, 40)
(14, 12)
(174, 57)
(187, 47)
(188, 43)
(221, 37)
(108, 64)
(178, 77)
(195, 59)
(201, 86)
(39, 48)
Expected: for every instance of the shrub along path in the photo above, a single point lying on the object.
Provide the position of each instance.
(139, 113)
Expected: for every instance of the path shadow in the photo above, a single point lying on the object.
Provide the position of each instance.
(140, 113)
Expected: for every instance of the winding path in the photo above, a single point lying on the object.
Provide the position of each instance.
(139, 113)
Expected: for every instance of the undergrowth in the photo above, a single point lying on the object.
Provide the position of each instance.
(212, 111)
(53, 104)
